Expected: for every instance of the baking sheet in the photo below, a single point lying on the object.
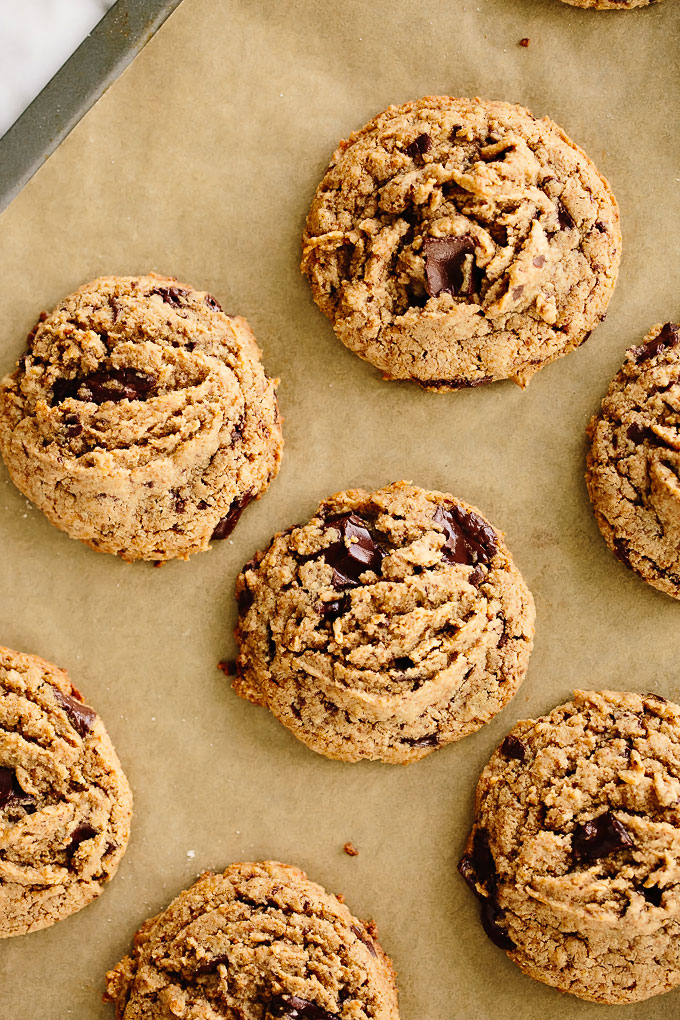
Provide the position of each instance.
(201, 161)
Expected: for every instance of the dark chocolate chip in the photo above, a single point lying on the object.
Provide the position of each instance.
(226, 525)
(564, 216)
(110, 384)
(403, 662)
(638, 433)
(418, 147)
(445, 259)
(600, 837)
(213, 303)
(652, 894)
(489, 917)
(656, 697)
(457, 383)
(81, 716)
(244, 600)
(210, 966)
(201, 505)
(73, 430)
(332, 610)
(292, 1007)
(228, 667)
(621, 551)
(469, 539)
(11, 794)
(81, 832)
(429, 740)
(476, 576)
(601, 227)
(357, 931)
(355, 553)
(668, 337)
(512, 747)
(478, 867)
(517, 292)
(171, 295)
(180, 505)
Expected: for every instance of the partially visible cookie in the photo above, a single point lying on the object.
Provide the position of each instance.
(610, 5)
(392, 623)
(140, 419)
(65, 804)
(575, 847)
(633, 466)
(258, 942)
(459, 241)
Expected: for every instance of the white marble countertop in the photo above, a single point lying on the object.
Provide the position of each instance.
(36, 38)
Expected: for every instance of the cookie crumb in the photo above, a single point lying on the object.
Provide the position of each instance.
(525, 42)
(191, 854)
(350, 850)
(228, 667)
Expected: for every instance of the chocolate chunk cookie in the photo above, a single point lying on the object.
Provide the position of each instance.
(393, 623)
(258, 942)
(633, 467)
(65, 805)
(459, 241)
(140, 419)
(610, 5)
(575, 848)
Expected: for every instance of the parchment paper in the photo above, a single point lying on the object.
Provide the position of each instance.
(201, 162)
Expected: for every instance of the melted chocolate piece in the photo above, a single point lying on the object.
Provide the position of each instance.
(226, 525)
(210, 966)
(355, 553)
(638, 433)
(564, 216)
(652, 894)
(113, 384)
(357, 931)
(476, 577)
(429, 740)
(489, 917)
(457, 383)
(332, 610)
(668, 337)
(479, 866)
(81, 832)
(418, 147)
(512, 747)
(244, 600)
(292, 1007)
(621, 551)
(171, 295)
(600, 837)
(469, 539)
(81, 716)
(11, 794)
(444, 264)
(213, 303)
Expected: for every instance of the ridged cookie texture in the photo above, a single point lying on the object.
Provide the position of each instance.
(460, 241)
(575, 847)
(65, 804)
(390, 624)
(258, 942)
(633, 465)
(140, 419)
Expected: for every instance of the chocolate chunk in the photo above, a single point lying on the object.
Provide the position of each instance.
(517, 292)
(638, 433)
(171, 295)
(429, 740)
(180, 505)
(213, 303)
(656, 697)
(110, 384)
(564, 216)
(81, 832)
(357, 931)
(600, 837)
(81, 716)
(621, 551)
(652, 894)
(445, 259)
(512, 747)
(11, 794)
(403, 662)
(332, 610)
(476, 576)
(355, 553)
(469, 539)
(226, 525)
(489, 917)
(668, 337)
(228, 667)
(539, 261)
(210, 966)
(292, 1007)
(601, 227)
(244, 600)
(478, 867)
(457, 383)
(418, 147)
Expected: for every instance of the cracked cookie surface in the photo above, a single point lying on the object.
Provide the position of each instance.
(65, 804)
(392, 623)
(610, 5)
(633, 465)
(460, 241)
(575, 848)
(258, 942)
(140, 419)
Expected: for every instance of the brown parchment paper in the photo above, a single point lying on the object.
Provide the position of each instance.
(201, 162)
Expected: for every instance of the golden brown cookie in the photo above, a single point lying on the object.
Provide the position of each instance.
(459, 241)
(140, 419)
